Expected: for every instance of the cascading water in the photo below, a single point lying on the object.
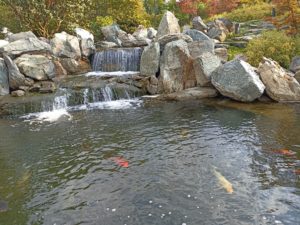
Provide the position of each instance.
(122, 59)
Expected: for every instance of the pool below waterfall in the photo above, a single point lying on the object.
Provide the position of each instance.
(153, 163)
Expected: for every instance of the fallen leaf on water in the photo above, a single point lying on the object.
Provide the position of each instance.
(285, 152)
(120, 161)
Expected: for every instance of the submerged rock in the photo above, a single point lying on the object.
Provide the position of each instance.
(37, 67)
(150, 60)
(238, 80)
(24, 46)
(168, 25)
(15, 77)
(280, 86)
(195, 93)
(204, 66)
(66, 46)
(4, 85)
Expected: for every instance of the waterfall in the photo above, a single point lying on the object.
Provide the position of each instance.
(122, 59)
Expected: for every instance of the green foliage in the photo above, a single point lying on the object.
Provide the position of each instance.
(8, 19)
(234, 51)
(247, 12)
(129, 14)
(175, 9)
(100, 21)
(46, 17)
(272, 44)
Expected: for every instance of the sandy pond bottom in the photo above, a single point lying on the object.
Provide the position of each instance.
(152, 164)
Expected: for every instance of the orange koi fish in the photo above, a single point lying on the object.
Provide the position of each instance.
(285, 152)
(120, 161)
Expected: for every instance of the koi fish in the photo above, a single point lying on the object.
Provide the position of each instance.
(285, 152)
(224, 182)
(120, 161)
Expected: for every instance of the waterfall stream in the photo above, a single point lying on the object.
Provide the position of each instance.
(122, 59)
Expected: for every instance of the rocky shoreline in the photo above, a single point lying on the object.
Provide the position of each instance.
(175, 65)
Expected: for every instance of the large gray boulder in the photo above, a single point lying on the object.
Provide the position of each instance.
(280, 86)
(140, 32)
(168, 25)
(15, 77)
(197, 48)
(4, 86)
(129, 40)
(197, 35)
(238, 80)
(37, 67)
(150, 60)
(74, 67)
(21, 35)
(204, 66)
(173, 37)
(111, 34)
(222, 53)
(65, 46)
(295, 65)
(24, 46)
(176, 68)
(151, 33)
(218, 31)
(198, 24)
(86, 39)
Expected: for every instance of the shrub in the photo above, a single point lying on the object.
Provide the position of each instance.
(247, 12)
(233, 51)
(8, 19)
(272, 44)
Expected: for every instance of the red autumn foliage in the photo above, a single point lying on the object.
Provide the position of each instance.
(220, 6)
(213, 6)
(189, 6)
(289, 9)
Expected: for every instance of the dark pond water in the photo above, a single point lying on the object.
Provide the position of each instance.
(74, 171)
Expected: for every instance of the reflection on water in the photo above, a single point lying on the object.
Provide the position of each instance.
(75, 171)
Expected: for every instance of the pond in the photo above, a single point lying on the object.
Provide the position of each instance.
(153, 163)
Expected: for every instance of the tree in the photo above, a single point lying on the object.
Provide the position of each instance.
(220, 6)
(46, 17)
(190, 6)
(289, 15)
(129, 14)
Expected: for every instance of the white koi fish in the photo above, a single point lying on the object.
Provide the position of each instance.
(223, 182)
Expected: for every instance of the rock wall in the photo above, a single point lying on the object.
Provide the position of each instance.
(31, 64)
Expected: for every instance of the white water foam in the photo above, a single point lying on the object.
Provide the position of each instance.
(113, 105)
(116, 74)
(48, 116)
